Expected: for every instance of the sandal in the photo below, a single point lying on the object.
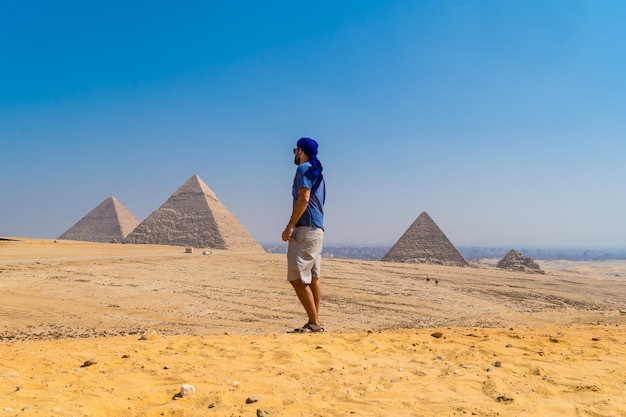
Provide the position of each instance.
(309, 328)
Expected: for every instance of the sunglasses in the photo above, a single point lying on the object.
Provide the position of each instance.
(295, 150)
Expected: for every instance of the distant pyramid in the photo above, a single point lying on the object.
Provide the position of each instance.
(424, 242)
(108, 222)
(515, 261)
(194, 217)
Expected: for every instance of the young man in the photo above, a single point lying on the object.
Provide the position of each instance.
(305, 232)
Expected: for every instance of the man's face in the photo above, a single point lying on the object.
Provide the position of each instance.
(297, 154)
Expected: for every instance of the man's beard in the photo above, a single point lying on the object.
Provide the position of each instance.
(296, 160)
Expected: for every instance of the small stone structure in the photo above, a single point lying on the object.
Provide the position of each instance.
(515, 261)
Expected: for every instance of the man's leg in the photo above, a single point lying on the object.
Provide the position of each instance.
(316, 289)
(303, 258)
(307, 299)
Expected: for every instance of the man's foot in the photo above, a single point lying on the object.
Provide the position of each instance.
(309, 328)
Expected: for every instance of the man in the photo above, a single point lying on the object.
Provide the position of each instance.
(305, 232)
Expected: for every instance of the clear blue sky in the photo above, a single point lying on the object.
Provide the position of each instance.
(504, 120)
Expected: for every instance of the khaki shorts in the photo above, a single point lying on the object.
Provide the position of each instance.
(304, 254)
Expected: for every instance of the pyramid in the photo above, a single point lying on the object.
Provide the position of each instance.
(424, 242)
(110, 221)
(194, 217)
(515, 261)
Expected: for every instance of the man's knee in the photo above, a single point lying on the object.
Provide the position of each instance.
(298, 285)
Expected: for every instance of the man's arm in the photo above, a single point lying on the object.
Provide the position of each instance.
(304, 195)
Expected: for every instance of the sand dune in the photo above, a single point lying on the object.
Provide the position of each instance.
(511, 344)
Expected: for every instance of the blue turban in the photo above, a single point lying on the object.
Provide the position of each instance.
(309, 147)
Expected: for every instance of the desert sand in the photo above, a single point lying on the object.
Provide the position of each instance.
(90, 329)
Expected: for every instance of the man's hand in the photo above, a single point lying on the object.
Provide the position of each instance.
(287, 233)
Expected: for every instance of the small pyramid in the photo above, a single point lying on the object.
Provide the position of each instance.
(108, 222)
(194, 217)
(424, 242)
(515, 261)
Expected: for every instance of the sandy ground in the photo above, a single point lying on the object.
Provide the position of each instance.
(511, 344)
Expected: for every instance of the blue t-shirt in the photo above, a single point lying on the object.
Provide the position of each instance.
(314, 214)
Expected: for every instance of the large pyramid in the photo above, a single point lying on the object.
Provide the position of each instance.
(194, 217)
(424, 242)
(110, 221)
